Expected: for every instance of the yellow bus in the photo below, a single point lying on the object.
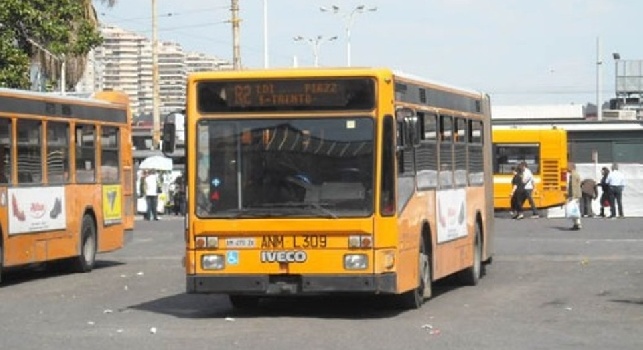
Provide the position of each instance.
(545, 152)
(65, 177)
(348, 180)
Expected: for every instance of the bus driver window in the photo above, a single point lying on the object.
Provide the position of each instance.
(5, 151)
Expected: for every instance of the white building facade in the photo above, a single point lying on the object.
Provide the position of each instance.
(124, 62)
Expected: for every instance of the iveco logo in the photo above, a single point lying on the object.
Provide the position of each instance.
(298, 256)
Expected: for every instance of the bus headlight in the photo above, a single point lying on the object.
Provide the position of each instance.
(355, 261)
(212, 262)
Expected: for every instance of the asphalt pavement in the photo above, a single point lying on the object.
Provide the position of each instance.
(548, 288)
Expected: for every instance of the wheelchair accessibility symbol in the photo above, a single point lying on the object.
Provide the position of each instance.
(232, 257)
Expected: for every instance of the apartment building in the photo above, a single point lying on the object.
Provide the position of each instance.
(172, 76)
(199, 62)
(124, 62)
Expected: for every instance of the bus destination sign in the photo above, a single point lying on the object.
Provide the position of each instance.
(282, 94)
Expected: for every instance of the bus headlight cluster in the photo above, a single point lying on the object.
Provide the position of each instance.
(212, 262)
(360, 241)
(355, 261)
(207, 242)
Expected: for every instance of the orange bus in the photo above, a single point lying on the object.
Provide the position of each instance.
(348, 180)
(65, 177)
(545, 152)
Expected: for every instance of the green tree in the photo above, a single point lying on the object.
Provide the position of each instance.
(34, 30)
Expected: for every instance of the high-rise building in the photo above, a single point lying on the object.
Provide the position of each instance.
(198, 62)
(124, 62)
(172, 76)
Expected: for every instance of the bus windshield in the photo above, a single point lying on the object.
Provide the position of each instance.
(297, 167)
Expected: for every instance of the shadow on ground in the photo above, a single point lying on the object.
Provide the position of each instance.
(198, 306)
(25, 274)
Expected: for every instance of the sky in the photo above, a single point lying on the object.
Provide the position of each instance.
(520, 52)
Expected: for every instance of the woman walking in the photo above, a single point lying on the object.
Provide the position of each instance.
(518, 193)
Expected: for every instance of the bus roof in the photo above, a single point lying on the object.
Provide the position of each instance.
(585, 125)
(324, 72)
(107, 106)
(407, 76)
(290, 72)
(37, 95)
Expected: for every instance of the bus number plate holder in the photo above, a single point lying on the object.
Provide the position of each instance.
(240, 242)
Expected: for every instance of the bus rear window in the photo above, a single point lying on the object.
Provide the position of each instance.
(286, 95)
(508, 156)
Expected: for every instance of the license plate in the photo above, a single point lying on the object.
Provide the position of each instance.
(296, 242)
(240, 242)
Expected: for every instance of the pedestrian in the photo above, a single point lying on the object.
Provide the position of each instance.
(574, 192)
(517, 193)
(528, 181)
(605, 191)
(589, 193)
(616, 182)
(141, 192)
(179, 196)
(151, 195)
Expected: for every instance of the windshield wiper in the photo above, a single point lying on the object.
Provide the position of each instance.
(252, 213)
(301, 205)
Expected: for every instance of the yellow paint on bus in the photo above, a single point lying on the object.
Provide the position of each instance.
(335, 180)
(65, 177)
(545, 152)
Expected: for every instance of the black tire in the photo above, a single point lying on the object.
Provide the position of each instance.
(87, 257)
(414, 299)
(244, 302)
(471, 275)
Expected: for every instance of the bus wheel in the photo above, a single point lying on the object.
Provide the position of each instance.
(471, 275)
(85, 261)
(244, 302)
(414, 299)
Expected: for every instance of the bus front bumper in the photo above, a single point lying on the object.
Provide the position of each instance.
(292, 284)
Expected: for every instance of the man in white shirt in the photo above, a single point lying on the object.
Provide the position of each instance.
(616, 181)
(528, 180)
(151, 195)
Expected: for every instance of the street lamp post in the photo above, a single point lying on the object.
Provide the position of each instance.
(349, 19)
(617, 57)
(315, 43)
(599, 83)
(265, 33)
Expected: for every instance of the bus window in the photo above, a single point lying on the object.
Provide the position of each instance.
(110, 160)
(460, 152)
(5, 151)
(446, 152)
(29, 152)
(508, 156)
(57, 152)
(85, 154)
(387, 200)
(475, 152)
(426, 152)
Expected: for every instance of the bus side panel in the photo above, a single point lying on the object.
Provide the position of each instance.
(501, 190)
(456, 255)
(409, 232)
(70, 245)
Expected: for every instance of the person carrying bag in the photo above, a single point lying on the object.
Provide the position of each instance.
(572, 208)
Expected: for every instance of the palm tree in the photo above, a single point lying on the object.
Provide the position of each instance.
(75, 65)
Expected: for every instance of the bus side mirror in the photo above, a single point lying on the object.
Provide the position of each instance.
(169, 137)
